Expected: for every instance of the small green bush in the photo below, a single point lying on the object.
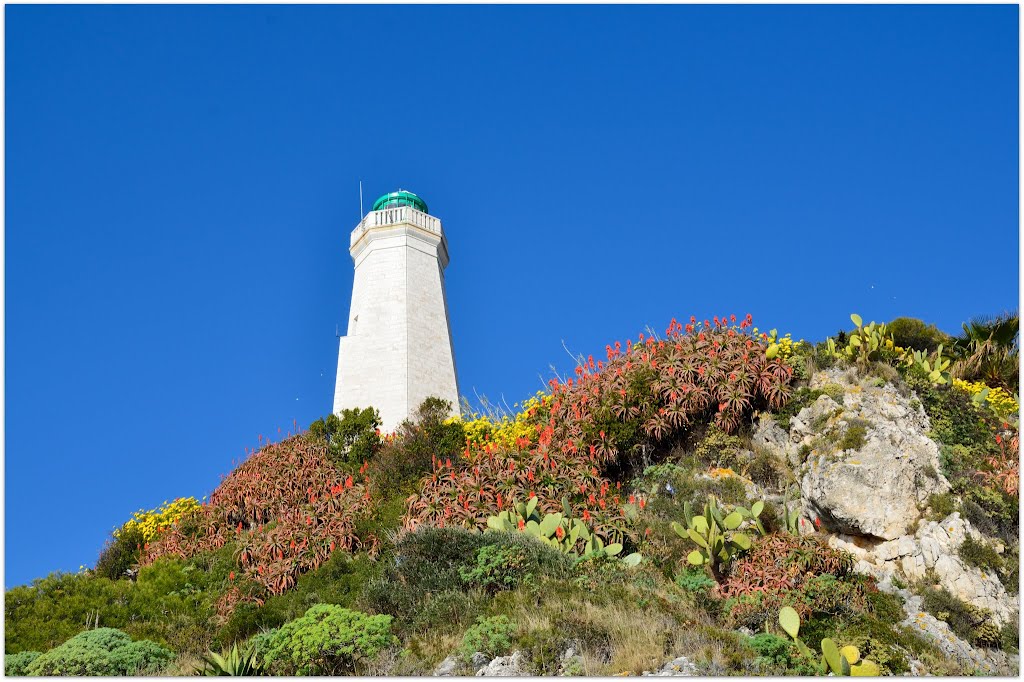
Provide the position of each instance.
(768, 470)
(352, 438)
(834, 391)
(1009, 635)
(778, 655)
(16, 665)
(801, 398)
(941, 505)
(497, 568)
(718, 448)
(120, 553)
(979, 554)
(695, 580)
(328, 640)
(910, 332)
(438, 578)
(855, 435)
(491, 636)
(103, 651)
(966, 620)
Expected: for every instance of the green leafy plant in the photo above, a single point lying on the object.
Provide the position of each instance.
(327, 640)
(103, 651)
(970, 622)
(718, 534)
(867, 343)
(790, 517)
(16, 665)
(352, 438)
(497, 568)
(491, 636)
(843, 662)
(915, 334)
(558, 529)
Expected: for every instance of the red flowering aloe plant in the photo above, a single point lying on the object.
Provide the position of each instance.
(286, 509)
(649, 393)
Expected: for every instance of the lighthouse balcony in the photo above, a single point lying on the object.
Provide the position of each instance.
(397, 215)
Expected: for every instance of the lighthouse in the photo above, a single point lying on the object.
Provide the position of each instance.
(398, 349)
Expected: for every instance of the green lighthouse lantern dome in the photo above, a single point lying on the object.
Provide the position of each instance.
(400, 198)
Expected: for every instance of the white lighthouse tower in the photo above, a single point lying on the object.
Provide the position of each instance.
(398, 350)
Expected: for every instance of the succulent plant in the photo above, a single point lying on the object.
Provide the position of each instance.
(844, 661)
(865, 343)
(935, 365)
(719, 536)
(559, 529)
(790, 517)
(231, 662)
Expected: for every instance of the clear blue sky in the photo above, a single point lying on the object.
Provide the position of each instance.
(181, 183)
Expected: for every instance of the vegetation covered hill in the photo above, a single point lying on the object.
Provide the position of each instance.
(632, 514)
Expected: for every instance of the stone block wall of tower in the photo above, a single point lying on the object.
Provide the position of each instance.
(398, 349)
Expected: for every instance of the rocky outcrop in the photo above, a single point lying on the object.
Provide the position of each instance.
(456, 666)
(871, 493)
(514, 665)
(678, 667)
(932, 552)
(876, 487)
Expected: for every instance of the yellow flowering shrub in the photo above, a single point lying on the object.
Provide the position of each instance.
(786, 345)
(999, 400)
(149, 523)
(508, 432)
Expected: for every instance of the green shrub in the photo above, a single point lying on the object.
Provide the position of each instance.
(53, 609)
(491, 636)
(941, 505)
(339, 581)
(120, 553)
(979, 554)
(778, 655)
(834, 391)
(801, 398)
(718, 448)
(437, 577)
(855, 435)
(768, 470)
(909, 332)
(16, 665)
(497, 568)
(694, 579)
(328, 640)
(1009, 635)
(966, 620)
(104, 651)
(405, 459)
(174, 602)
(352, 438)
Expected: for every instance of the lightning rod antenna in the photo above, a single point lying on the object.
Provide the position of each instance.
(360, 200)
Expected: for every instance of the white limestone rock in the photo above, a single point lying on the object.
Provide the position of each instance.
(514, 665)
(880, 489)
(677, 667)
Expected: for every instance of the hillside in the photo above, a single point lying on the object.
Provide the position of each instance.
(716, 500)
